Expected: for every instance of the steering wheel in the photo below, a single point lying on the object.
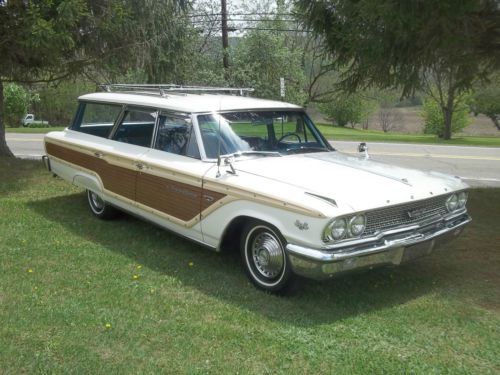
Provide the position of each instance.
(286, 135)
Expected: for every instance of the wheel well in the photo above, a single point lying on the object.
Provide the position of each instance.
(231, 236)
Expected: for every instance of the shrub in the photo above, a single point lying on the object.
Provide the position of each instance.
(39, 125)
(16, 101)
(345, 110)
(434, 117)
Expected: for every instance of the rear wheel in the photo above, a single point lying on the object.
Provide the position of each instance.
(264, 257)
(100, 208)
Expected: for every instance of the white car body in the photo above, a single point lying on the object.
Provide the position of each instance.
(295, 196)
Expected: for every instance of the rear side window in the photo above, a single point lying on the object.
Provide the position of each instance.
(136, 127)
(96, 118)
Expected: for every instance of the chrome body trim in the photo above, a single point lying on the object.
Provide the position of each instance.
(387, 248)
(363, 240)
(46, 162)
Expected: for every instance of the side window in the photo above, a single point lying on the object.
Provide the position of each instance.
(136, 127)
(96, 119)
(175, 135)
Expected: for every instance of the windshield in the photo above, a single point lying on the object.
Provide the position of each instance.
(259, 133)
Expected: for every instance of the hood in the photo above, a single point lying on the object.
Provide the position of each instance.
(358, 183)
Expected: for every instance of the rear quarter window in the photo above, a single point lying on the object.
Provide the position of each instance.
(96, 118)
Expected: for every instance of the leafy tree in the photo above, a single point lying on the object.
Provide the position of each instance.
(410, 45)
(433, 116)
(347, 109)
(486, 100)
(16, 104)
(56, 102)
(50, 40)
(261, 59)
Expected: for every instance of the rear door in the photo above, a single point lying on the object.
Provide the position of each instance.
(131, 138)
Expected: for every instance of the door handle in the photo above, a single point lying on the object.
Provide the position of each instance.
(208, 198)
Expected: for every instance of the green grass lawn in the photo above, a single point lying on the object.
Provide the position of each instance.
(34, 130)
(349, 134)
(79, 295)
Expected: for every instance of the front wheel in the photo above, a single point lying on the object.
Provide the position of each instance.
(99, 207)
(264, 257)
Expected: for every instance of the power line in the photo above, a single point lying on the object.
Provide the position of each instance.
(232, 29)
(240, 14)
(243, 20)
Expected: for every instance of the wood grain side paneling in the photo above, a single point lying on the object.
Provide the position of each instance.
(177, 199)
(116, 179)
(180, 200)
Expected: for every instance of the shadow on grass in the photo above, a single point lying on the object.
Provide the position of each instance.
(220, 275)
(17, 174)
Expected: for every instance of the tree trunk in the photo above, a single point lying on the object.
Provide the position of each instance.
(448, 115)
(4, 149)
(494, 118)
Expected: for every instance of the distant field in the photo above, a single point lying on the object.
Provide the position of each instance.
(411, 122)
(34, 130)
(79, 295)
(349, 134)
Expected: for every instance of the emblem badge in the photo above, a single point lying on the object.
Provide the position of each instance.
(416, 213)
(301, 226)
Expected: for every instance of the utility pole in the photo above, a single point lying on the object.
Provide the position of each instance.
(225, 41)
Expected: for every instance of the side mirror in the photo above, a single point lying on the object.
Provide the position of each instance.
(363, 148)
(228, 162)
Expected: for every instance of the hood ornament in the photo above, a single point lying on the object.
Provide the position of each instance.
(364, 148)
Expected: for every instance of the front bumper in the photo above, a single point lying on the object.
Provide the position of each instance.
(391, 247)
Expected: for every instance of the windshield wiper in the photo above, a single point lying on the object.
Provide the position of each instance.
(262, 153)
(306, 149)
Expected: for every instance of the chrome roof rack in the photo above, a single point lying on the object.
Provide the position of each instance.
(166, 89)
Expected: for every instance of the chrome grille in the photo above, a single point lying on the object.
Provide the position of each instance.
(396, 216)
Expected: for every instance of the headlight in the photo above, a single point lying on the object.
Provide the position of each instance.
(462, 199)
(357, 225)
(336, 230)
(452, 203)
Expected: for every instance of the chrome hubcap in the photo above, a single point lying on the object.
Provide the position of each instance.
(267, 255)
(97, 202)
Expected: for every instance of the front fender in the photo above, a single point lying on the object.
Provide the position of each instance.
(295, 228)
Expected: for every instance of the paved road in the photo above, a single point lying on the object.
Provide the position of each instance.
(26, 145)
(479, 166)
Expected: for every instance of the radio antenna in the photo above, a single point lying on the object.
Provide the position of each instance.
(219, 139)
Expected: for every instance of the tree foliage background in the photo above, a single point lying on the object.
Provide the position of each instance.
(52, 40)
(409, 45)
(59, 48)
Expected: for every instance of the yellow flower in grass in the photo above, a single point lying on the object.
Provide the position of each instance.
(30, 270)
(135, 277)
(107, 325)
(190, 264)
(139, 267)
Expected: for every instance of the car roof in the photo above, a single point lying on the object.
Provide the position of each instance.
(188, 103)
